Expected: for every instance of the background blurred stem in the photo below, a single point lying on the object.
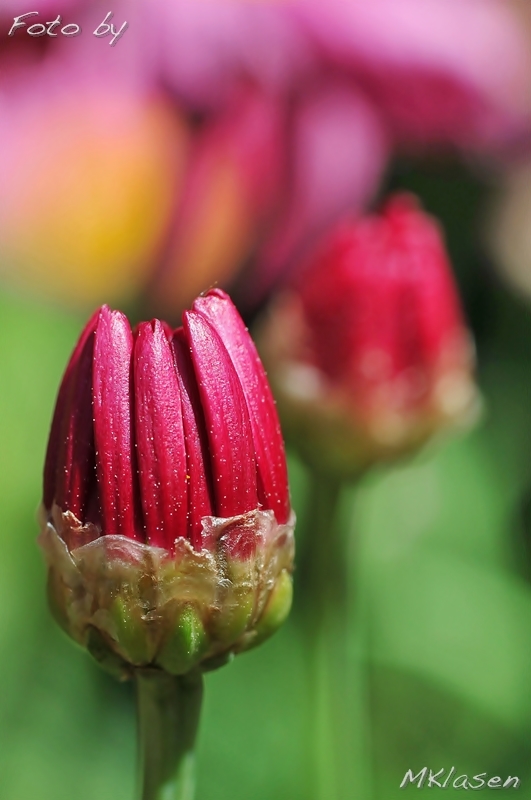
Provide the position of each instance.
(359, 724)
(168, 718)
(329, 575)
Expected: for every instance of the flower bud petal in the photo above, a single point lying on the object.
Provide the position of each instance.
(113, 435)
(69, 458)
(227, 420)
(200, 494)
(159, 434)
(76, 473)
(218, 309)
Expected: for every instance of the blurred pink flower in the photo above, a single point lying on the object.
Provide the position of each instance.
(438, 71)
(89, 165)
(13, 8)
(291, 110)
(234, 174)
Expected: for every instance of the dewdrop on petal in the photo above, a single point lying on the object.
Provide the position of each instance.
(166, 520)
(368, 353)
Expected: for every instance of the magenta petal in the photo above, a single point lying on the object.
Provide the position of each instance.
(76, 471)
(71, 429)
(273, 492)
(112, 407)
(159, 437)
(227, 419)
(199, 477)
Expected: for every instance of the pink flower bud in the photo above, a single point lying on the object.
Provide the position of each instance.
(166, 500)
(369, 352)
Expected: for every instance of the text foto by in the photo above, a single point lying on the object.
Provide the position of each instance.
(53, 28)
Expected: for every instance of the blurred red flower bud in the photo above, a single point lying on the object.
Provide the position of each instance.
(369, 351)
(166, 460)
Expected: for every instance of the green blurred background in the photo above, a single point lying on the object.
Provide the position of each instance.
(439, 545)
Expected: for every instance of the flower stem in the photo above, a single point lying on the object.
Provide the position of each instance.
(168, 718)
(338, 703)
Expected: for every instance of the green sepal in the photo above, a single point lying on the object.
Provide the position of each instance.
(138, 606)
(102, 652)
(232, 619)
(132, 637)
(56, 593)
(275, 612)
(186, 644)
(215, 662)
